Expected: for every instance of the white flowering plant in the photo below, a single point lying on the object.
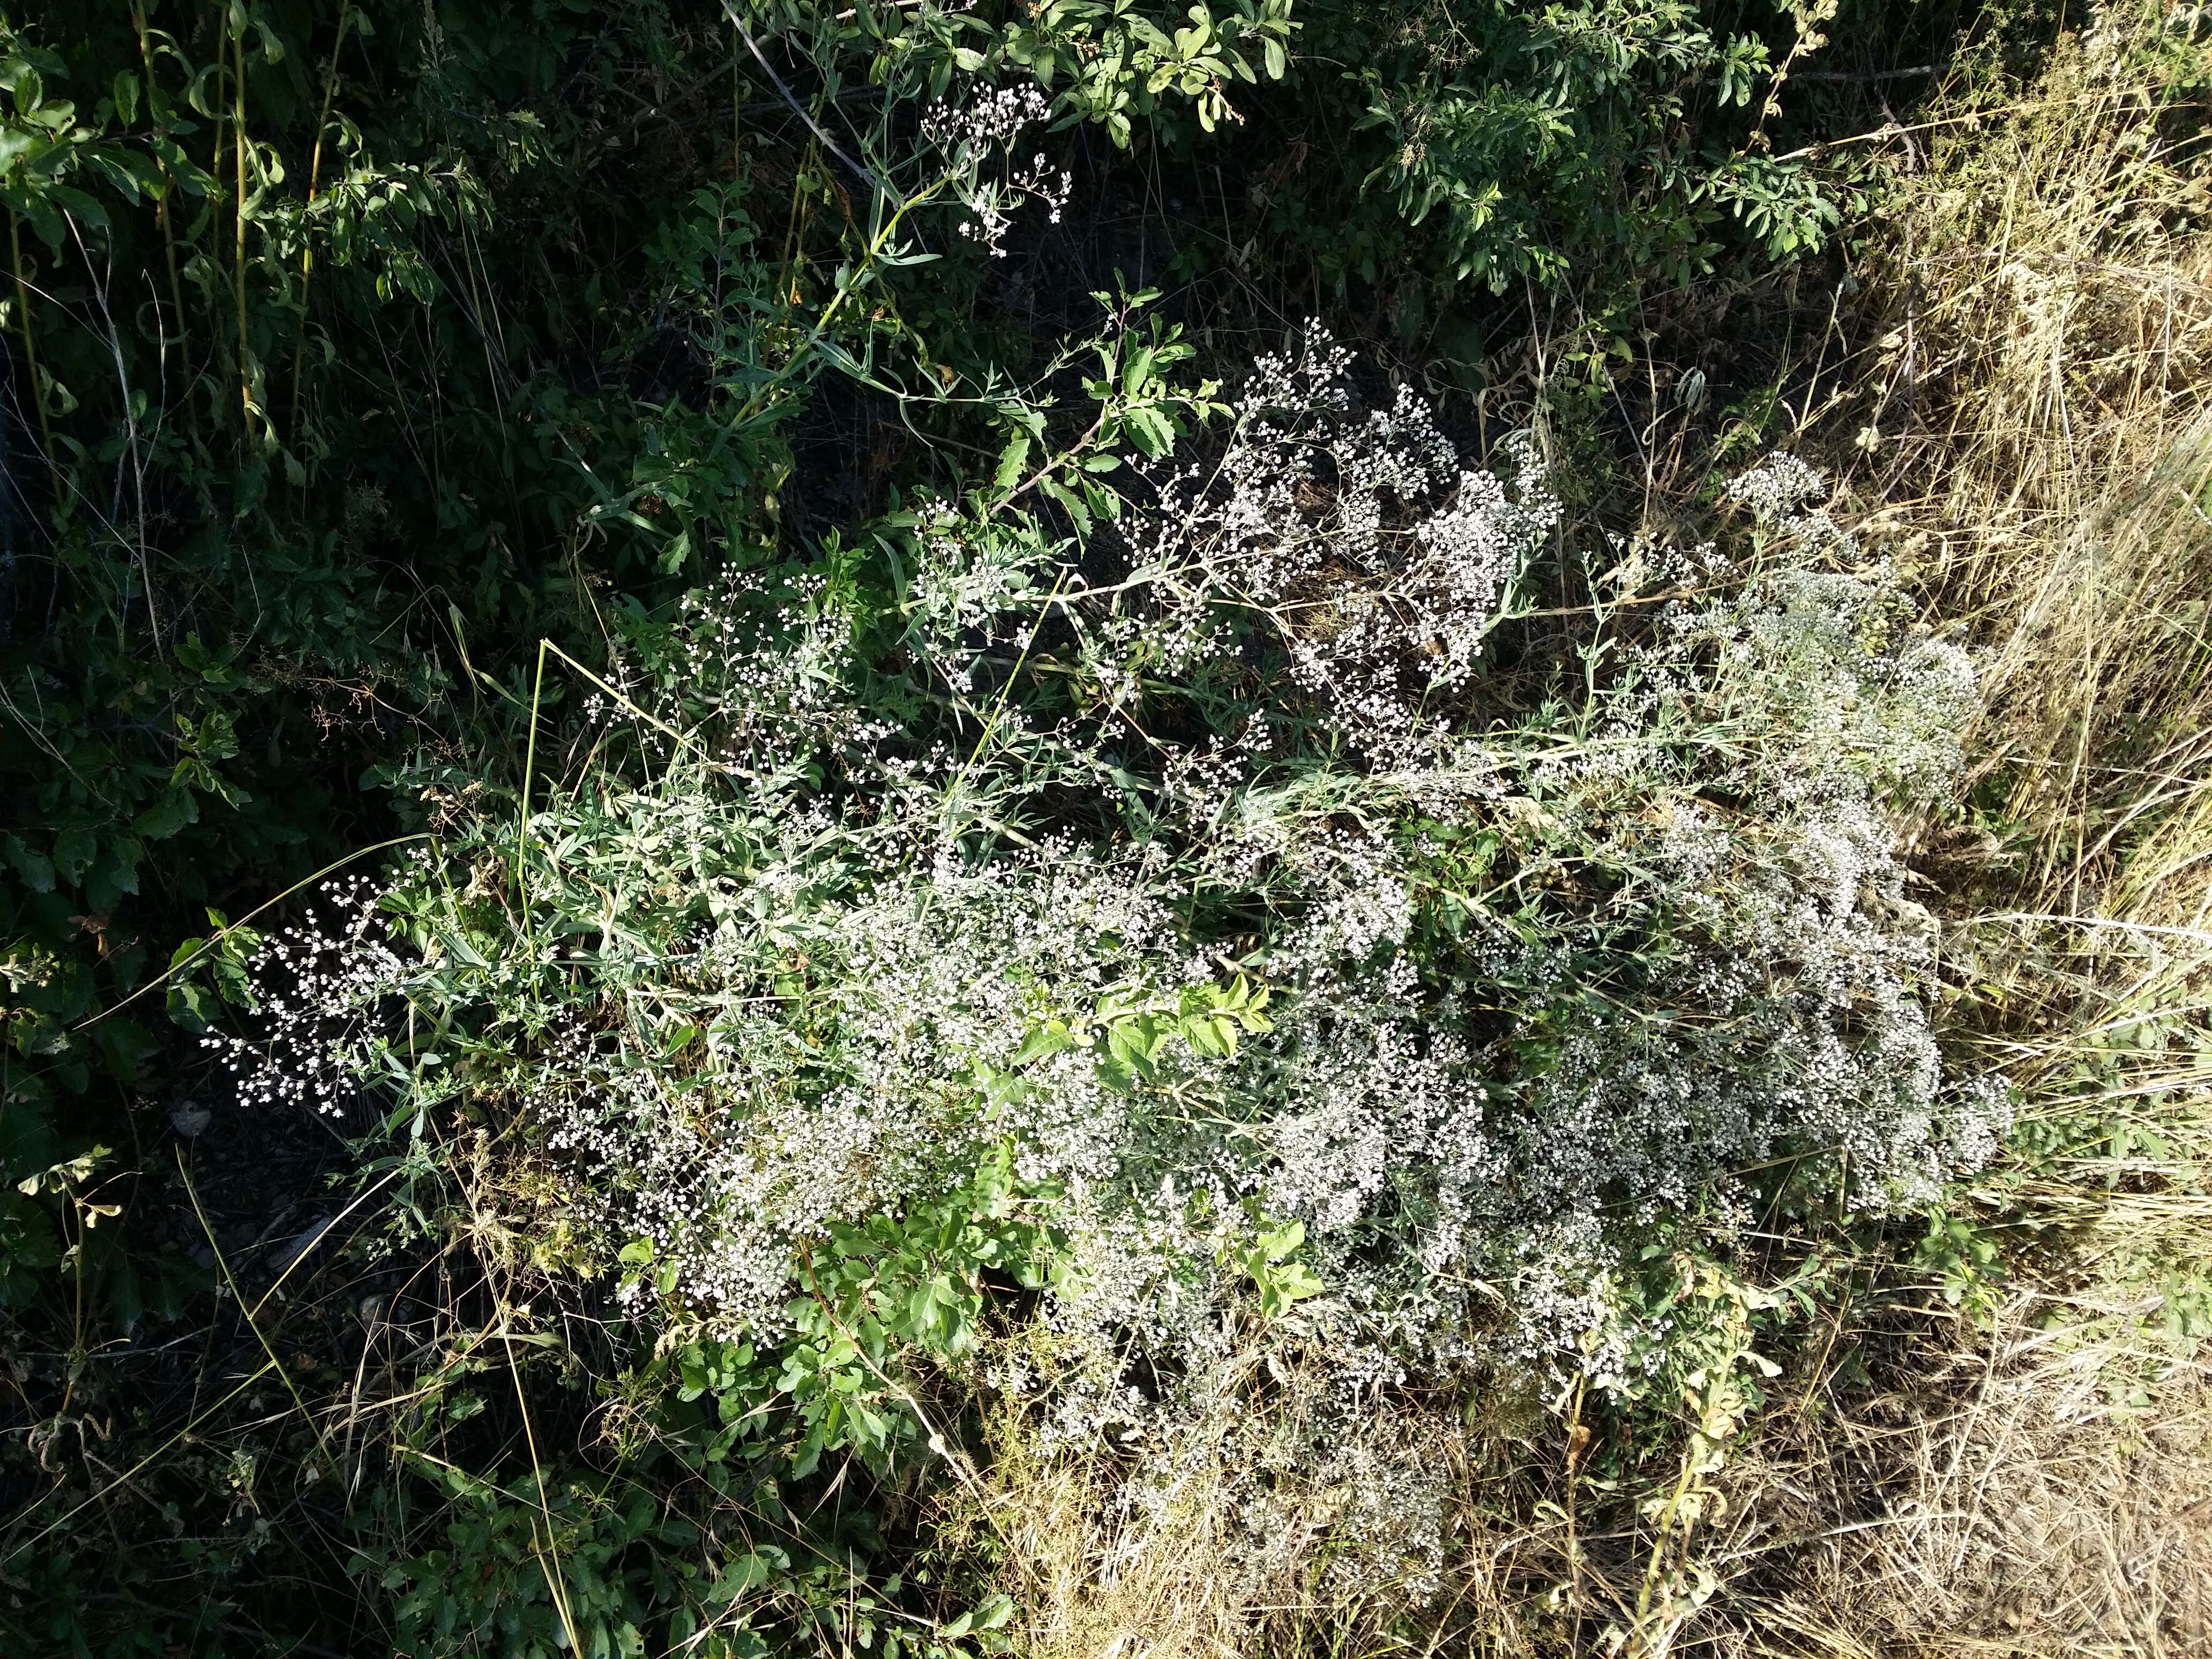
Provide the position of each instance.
(1104, 935)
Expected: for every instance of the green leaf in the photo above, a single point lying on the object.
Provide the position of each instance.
(747, 1572)
(76, 201)
(28, 1248)
(74, 851)
(1153, 432)
(1050, 1038)
(111, 168)
(1011, 460)
(176, 809)
(1068, 499)
(190, 1006)
(36, 869)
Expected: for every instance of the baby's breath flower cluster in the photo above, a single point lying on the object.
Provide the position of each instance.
(971, 136)
(1210, 895)
(323, 986)
(1379, 559)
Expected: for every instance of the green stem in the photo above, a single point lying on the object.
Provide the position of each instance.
(529, 769)
(168, 182)
(252, 1324)
(314, 181)
(756, 402)
(31, 357)
(238, 247)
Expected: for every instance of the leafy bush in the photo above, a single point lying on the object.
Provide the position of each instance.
(1588, 141)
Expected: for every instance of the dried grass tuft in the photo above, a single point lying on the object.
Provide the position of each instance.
(2009, 1506)
(2031, 429)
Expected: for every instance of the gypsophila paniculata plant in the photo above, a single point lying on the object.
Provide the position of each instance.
(1187, 879)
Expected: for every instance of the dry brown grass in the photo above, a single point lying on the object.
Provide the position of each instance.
(2008, 1506)
(1279, 1523)
(2003, 1504)
(2032, 428)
